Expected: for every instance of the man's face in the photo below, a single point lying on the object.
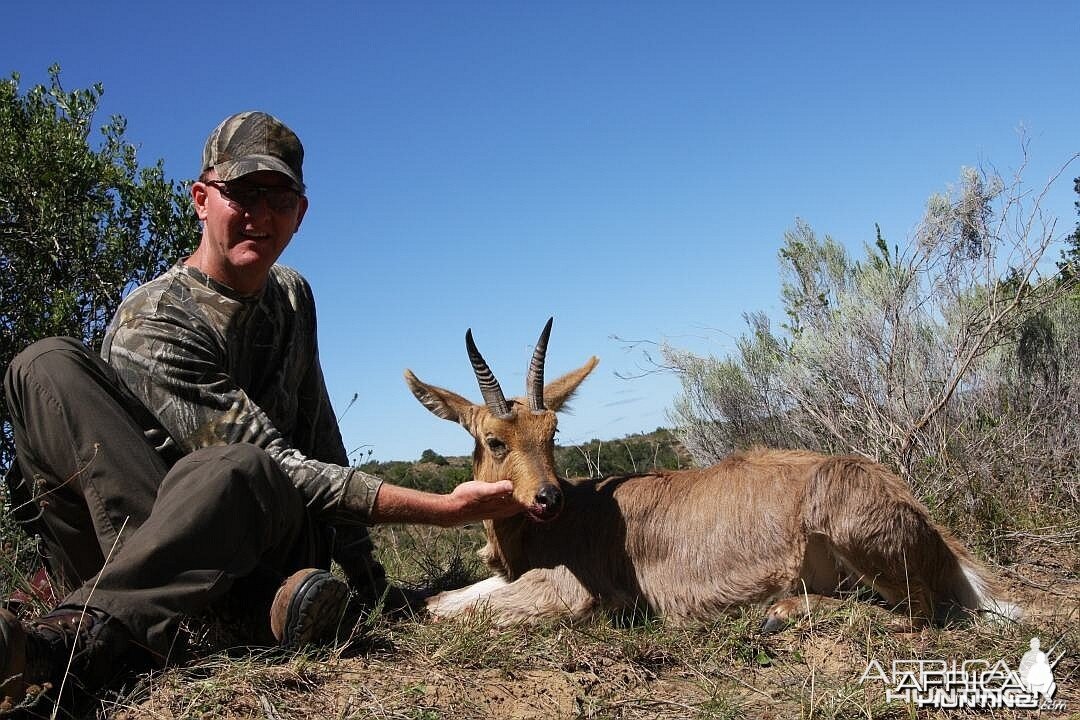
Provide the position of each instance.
(247, 224)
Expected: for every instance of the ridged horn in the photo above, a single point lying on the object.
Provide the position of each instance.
(534, 384)
(489, 386)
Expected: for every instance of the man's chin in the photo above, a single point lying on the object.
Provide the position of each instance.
(254, 257)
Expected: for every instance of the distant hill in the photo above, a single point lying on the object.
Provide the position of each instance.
(433, 472)
(659, 449)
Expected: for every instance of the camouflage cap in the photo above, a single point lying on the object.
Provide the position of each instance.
(251, 141)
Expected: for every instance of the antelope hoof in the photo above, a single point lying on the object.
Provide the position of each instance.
(782, 614)
(774, 624)
(434, 610)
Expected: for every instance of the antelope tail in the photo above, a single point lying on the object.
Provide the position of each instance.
(974, 590)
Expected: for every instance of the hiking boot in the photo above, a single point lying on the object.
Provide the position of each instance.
(86, 645)
(308, 608)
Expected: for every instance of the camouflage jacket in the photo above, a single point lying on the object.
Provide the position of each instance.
(218, 367)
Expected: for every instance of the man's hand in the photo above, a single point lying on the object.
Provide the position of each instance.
(479, 500)
(470, 501)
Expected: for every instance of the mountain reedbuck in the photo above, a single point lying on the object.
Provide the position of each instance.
(786, 527)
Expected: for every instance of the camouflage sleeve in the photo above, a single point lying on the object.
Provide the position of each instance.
(178, 373)
(317, 423)
(316, 431)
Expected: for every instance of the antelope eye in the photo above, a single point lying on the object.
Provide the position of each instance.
(496, 445)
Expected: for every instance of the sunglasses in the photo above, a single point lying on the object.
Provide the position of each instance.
(278, 197)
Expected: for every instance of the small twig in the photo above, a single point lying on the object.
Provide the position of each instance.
(268, 709)
(1039, 586)
(349, 406)
(77, 473)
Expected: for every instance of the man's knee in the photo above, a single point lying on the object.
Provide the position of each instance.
(243, 458)
(242, 485)
(228, 468)
(63, 350)
(58, 358)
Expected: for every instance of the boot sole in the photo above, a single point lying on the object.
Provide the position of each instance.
(315, 610)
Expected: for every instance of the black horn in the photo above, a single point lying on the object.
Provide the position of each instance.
(489, 386)
(534, 385)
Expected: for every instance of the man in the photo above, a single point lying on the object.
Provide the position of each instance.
(197, 464)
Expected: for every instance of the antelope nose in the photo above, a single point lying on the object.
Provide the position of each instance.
(549, 498)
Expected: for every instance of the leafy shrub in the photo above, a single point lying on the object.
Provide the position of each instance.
(950, 360)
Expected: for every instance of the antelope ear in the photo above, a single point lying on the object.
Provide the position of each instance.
(558, 391)
(445, 404)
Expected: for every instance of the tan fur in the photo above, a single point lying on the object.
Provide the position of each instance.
(761, 526)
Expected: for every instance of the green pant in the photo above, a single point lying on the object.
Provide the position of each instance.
(146, 538)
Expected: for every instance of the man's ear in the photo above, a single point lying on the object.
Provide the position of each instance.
(301, 211)
(198, 199)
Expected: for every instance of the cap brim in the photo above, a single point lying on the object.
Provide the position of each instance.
(235, 169)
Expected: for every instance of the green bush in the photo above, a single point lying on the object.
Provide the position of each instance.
(951, 360)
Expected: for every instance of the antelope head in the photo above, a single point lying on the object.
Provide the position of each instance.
(515, 439)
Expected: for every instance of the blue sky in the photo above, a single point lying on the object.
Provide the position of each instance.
(627, 167)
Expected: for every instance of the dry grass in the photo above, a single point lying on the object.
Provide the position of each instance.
(418, 670)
